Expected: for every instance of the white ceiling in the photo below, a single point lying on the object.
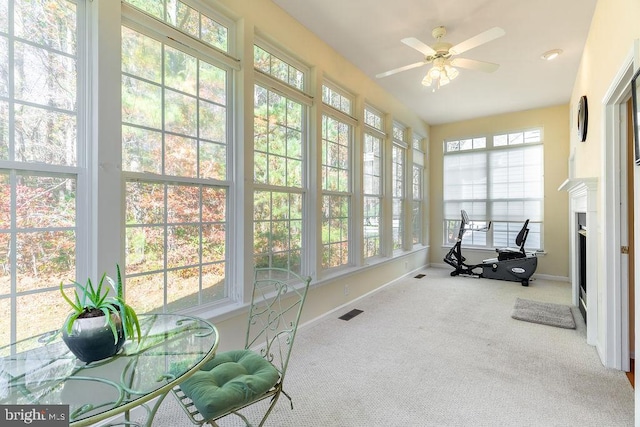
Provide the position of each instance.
(368, 33)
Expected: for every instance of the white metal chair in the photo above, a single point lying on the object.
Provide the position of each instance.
(234, 380)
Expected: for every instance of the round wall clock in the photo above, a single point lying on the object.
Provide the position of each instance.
(583, 118)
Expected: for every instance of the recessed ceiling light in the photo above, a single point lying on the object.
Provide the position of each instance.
(551, 54)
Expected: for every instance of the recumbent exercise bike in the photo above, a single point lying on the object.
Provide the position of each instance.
(514, 264)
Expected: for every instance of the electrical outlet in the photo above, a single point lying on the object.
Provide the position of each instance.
(346, 289)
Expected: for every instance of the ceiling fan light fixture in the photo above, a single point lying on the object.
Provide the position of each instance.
(451, 72)
(550, 55)
(434, 73)
(440, 74)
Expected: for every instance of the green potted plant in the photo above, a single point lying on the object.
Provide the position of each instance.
(99, 324)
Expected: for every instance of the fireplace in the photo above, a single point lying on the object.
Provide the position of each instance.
(583, 250)
(581, 220)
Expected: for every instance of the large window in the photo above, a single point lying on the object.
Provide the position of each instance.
(497, 179)
(372, 181)
(417, 190)
(398, 164)
(175, 139)
(40, 166)
(279, 172)
(337, 147)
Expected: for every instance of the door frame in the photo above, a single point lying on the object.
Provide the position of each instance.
(613, 347)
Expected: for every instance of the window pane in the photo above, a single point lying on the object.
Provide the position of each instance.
(373, 119)
(50, 23)
(278, 139)
(372, 186)
(44, 136)
(372, 165)
(214, 33)
(191, 21)
(416, 217)
(142, 150)
(4, 130)
(499, 140)
(44, 77)
(141, 103)
(335, 154)
(335, 99)
(181, 71)
(417, 143)
(278, 229)
(465, 176)
(4, 16)
(277, 68)
(193, 93)
(371, 226)
(335, 231)
(398, 183)
(180, 226)
(141, 56)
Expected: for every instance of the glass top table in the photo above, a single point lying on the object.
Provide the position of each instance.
(42, 371)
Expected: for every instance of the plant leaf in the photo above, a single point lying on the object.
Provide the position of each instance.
(109, 322)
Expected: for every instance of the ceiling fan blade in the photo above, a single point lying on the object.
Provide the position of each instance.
(474, 64)
(398, 70)
(413, 42)
(477, 40)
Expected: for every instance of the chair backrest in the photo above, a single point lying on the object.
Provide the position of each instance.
(276, 304)
(521, 238)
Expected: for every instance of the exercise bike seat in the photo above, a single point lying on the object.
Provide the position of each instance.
(514, 253)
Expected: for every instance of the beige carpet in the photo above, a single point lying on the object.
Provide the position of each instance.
(444, 351)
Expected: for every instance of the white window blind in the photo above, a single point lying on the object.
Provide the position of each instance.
(503, 185)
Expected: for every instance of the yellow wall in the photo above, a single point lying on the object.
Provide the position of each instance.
(615, 26)
(555, 123)
(612, 40)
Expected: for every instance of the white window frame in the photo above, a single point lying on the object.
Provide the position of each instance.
(282, 88)
(485, 145)
(400, 135)
(346, 118)
(376, 132)
(169, 35)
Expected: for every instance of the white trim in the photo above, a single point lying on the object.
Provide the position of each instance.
(269, 82)
(613, 342)
(582, 199)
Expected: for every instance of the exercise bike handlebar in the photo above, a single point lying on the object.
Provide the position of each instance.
(466, 221)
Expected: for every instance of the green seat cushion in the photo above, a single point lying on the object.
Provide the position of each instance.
(229, 381)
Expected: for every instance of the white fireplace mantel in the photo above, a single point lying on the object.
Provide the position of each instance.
(583, 199)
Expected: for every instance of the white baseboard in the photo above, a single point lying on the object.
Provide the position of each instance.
(551, 277)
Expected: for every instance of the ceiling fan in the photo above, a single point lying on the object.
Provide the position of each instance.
(441, 55)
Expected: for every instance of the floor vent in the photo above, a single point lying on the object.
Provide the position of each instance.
(350, 315)
(420, 276)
